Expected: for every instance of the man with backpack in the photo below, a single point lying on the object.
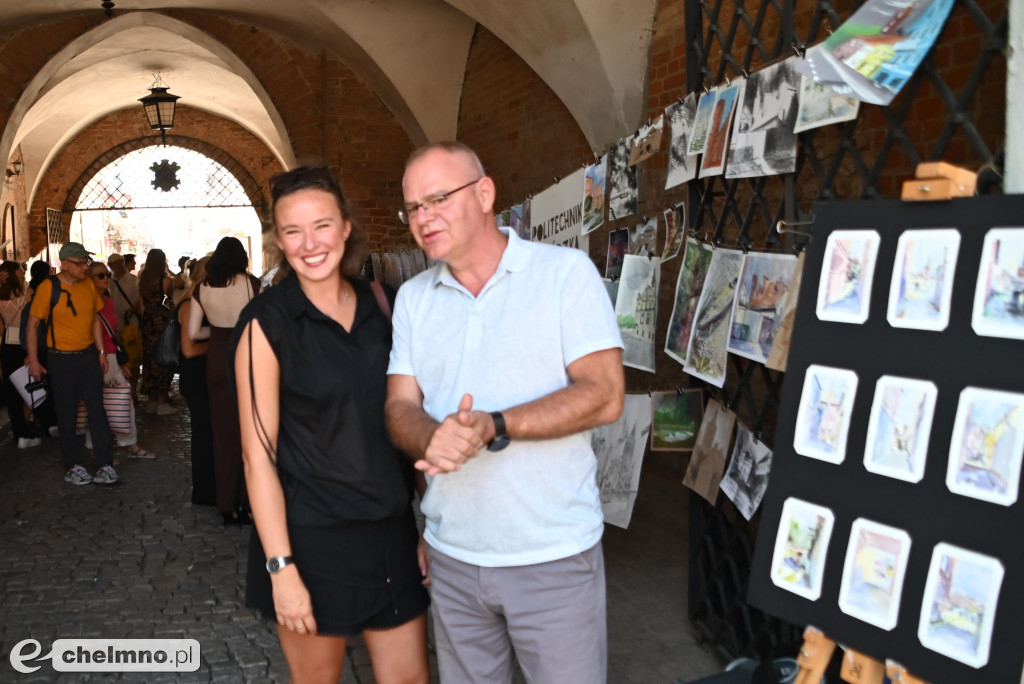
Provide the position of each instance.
(75, 362)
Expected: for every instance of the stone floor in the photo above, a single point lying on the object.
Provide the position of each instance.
(137, 560)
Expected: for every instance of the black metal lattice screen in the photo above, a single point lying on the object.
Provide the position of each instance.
(951, 110)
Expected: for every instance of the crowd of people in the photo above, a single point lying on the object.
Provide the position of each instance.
(325, 404)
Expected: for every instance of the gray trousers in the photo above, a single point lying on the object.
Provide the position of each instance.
(549, 616)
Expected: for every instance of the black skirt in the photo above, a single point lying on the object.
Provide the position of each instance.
(360, 575)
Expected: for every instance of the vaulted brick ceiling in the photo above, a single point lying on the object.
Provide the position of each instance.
(412, 53)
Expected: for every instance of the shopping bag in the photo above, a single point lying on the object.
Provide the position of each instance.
(117, 401)
(131, 337)
(168, 347)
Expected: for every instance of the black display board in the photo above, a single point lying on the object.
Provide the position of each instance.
(952, 359)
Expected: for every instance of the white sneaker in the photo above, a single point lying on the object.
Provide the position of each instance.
(29, 442)
(105, 475)
(165, 410)
(78, 476)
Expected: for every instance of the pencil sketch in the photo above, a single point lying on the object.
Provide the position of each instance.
(707, 462)
(619, 448)
(747, 477)
(763, 141)
(622, 183)
(682, 165)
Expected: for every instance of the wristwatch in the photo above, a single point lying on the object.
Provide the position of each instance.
(501, 438)
(276, 564)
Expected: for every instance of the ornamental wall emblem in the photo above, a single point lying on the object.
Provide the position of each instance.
(165, 175)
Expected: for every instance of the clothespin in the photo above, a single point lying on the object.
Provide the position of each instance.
(860, 669)
(814, 656)
(898, 674)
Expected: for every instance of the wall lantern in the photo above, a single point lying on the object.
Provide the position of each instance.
(159, 106)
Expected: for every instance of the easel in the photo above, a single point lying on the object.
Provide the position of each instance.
(816, 653)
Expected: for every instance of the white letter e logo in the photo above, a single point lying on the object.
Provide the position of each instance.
(17, 658)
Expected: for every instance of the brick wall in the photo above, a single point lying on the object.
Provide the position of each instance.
(521, 131)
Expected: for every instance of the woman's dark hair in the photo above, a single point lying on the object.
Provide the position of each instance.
(12, 286)
(322, 178)
(155, 271)
(38, 272)
(227, 261)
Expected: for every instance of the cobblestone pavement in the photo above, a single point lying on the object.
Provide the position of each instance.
(138, 560)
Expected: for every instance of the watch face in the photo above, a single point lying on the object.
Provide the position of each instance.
(273, 565)
(498, 443)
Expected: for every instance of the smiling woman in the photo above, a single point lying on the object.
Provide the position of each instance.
(334, 553)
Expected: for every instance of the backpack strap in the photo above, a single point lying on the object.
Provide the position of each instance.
(382, 299)
(55, 290)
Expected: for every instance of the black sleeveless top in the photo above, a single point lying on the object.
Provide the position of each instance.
(334, 456)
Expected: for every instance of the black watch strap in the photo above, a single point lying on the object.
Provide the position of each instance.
(501, 438)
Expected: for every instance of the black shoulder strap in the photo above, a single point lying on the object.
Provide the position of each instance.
(121, 290)
(55, 290)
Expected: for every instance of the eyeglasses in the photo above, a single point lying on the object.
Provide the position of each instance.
(431, 203)
(101, 276)
(76, 262)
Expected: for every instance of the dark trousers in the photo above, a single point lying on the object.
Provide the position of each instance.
(12, 357)
(192, 383)
(74, 377)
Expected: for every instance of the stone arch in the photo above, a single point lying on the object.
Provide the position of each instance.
(252, 188)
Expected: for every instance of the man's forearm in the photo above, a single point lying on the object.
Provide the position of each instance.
(32, 340)
(410, 426)
(580, 406)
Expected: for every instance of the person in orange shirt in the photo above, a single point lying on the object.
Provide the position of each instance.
(75, 360)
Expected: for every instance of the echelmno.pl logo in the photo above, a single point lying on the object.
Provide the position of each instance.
(109, 655)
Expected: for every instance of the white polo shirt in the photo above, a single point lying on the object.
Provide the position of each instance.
(543, 308)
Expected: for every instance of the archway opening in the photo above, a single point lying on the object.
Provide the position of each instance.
(174, 198)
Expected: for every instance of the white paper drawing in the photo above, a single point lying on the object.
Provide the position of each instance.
(821, 105)
(823, 419)
(619, 448)
(999, 293)
(876, 563)
(682, 165)
(636, 308)
(801, 547)
(763, 142)
(847, 273)
(746, 479)
(756, 314)
(922, 279)
(959, 607)
(899, 427)
(987, 446)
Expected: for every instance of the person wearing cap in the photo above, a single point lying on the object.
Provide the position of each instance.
(75, 360)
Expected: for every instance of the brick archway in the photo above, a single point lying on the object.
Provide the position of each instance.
(252, 188)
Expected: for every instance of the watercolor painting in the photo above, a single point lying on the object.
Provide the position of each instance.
(899, 427)
(747, 477)
(922, 279)
(778, 357)
(729, 96)
(801, 547)
(707, 462)
(618, 246)
(636, 309)
(675, 231)
(987, 446)
(593, 195)
(689, 286)
(821, 105)
(707, 353)
(519, 220)
(643, 238)
(959, 607)
(999, 293)
(847, 273)
(702, 122)
(647, 141)
(823, 419)
(677, 414)
(756, 314)
(876, 563)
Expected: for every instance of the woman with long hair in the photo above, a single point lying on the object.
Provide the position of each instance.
(155, 285)
(14, 297)
(335, 550)
(220, 298)
(116, 374)
(192, 382)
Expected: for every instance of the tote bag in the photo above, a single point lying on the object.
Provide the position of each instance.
(117, 400)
